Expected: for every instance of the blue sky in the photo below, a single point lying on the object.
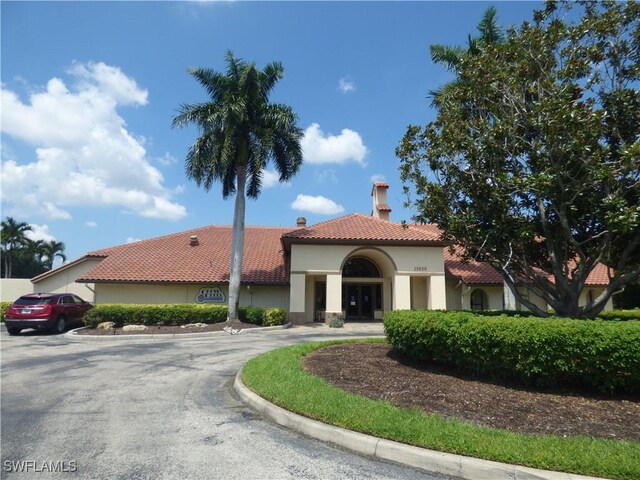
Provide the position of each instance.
(89, 90)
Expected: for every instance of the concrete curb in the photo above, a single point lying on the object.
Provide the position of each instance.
(73, 334)
(432, 461)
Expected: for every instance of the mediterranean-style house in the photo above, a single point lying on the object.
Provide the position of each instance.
(358, 266)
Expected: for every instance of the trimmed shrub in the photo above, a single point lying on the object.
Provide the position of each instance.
(620, 315)
(336, 320)
(598, 355)
(274, 317)
(175, 314)
(254, 315)
(3, 309)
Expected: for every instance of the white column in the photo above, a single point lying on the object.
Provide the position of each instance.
(437, 293)
(402, 292)
(334, 293)
(297, 297)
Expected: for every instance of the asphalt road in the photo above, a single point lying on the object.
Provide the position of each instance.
(156, 409)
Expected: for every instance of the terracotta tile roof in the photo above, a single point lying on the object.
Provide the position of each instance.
(383, 207)
(472, 272)
(171, 259)
(599, 275)
(481, 273)
(362, 228)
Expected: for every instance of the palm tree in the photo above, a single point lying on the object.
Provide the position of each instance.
(452, 57)
(50, 250)
(12, 234)
(240, 131)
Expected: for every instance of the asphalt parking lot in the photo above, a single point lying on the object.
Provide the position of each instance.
(157, 408)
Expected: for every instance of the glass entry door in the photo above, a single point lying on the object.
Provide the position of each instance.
(358, 301)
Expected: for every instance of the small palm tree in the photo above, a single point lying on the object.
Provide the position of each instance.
(240, 131)
(452, 57)
(49, 251)
(12, 235)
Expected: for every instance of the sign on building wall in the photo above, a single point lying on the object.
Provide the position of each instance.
(210, 295)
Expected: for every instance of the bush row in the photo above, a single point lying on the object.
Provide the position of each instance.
(620, 315)
(179, 314)
(613, 315)
(3, 309)
(600, 356)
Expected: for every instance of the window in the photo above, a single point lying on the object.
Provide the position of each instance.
(66, 300)
(360, 267)
(479, 300)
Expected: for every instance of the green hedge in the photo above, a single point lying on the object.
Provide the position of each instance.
(620, 315)
(3, 309)
(601, 356)
(179, 314)
(274, 317)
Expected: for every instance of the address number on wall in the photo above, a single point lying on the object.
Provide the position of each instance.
(420, 269)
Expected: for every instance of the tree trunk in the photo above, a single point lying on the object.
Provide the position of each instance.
(237, 247)
(7, 264)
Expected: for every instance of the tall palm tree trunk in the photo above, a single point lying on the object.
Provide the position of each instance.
(7, 264)
(237, 246)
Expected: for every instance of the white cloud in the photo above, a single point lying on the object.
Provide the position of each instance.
(327, 176)
(270, 178)
(132, 240)
(317, 204)
(319, 148)
(91, 224)
(167, 159)
(378, 177)
(39, 232)
(84, 154)
(346, 85)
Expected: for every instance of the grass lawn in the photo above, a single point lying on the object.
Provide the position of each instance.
(278, 376)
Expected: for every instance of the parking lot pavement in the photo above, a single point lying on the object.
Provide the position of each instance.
(157, 408)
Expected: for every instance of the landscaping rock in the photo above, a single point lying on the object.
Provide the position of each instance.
(194, 325)
(134, 328)
(105, 325)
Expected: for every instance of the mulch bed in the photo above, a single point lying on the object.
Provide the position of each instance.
(169, 329)
(375, 371)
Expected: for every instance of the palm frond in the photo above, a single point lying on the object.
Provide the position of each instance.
(448, 56)
(490, 31)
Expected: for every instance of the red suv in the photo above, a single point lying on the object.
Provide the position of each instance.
(51, 311)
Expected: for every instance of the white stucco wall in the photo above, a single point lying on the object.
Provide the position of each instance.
(63, 280)
(329, 258)
(256, 296)
(13, 288)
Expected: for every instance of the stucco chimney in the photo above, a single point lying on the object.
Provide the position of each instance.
(380, 207)
(301, 222)
(193, 241)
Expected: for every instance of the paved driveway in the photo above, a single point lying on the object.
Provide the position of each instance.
(156, 408)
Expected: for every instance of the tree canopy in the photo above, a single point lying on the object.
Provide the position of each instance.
(533, 161)
(23, 257)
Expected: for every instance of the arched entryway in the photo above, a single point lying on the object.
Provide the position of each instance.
(361, 288)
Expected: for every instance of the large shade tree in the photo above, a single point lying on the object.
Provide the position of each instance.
(240, 131)
(533, 161)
